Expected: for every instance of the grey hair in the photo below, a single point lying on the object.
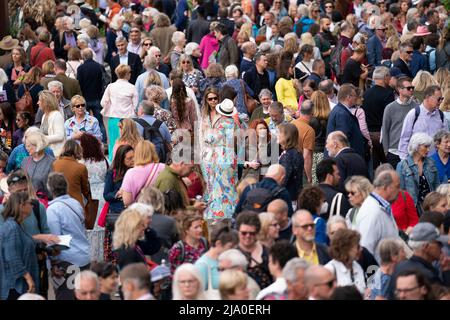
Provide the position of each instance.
(145, 210)
(231, 72)
(291, 268)
(441, 134)
(384, 179)
(55, 84)
(236, 257)
(87, 54)
(339, 137)
(57, 184)
(326, 86)
(380, 73)
(189, 268)
(265, 92)
(417, 140)
(150, 62)
(153, 48)
(3, 77)
(31, 296)
(388, 248)
(190, 47)
(86, 274)
(335, 220)
(416, 245)
(83, 38)
(177, 36)
(121, 39)
(307, 108)
(152, 195)
(383, 167)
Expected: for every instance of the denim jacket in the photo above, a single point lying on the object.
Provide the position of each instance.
(409, 176)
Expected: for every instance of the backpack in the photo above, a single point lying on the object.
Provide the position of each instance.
(417, 112)
(152, 134)
(25, 103)
(335, 60)
(259, 198)
(180, 243)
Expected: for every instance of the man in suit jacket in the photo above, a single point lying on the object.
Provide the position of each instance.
(135, 281)
(125, 57)
(406, 51)
(71, 86)
(65, 40)
(303, 228)
(343, 119)
(348, 161)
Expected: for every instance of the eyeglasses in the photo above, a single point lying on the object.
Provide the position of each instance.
(185, 62)
(397, 291)
(409, 88)
(306, 226)
(79, 105)
(409, 52)
(212, 99)
(248, 233)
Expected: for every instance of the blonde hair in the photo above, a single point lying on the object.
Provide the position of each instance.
(230, 280)
(442, 77)
(155, 94)
(445, 105)
(76, 99)
(423, 80)
(266, 219)
(50, 102)
(145, 153)
(321, 109)
(444, 189)
(393, 42)
(247, 29)
(48, 67)
(153, 78)
(307, 38)
(362, 183)
(290, 43)
(129, 134)
(122, 70)
(127, 229)
(36, 138)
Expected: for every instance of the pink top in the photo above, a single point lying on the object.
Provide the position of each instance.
(136, 178)
(361, 116)
(208, 45)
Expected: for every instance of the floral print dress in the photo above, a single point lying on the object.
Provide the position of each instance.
(166, 117)
(219, 167)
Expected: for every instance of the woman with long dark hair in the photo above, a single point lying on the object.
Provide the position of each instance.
(182, 107)
(97, 165)
(23, 121)
(284, 87)
(257, 150)
(7, 125)
(123, 161)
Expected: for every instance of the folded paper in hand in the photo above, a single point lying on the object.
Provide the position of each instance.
(64, 242)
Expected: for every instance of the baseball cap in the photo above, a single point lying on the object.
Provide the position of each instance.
(396, 73)
(425, 231)
(159, 272)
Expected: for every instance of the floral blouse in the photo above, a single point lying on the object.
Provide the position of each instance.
(192, 79)
(166, 117)
(191, 254)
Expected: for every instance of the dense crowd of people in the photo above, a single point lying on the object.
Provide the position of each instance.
(225, 150)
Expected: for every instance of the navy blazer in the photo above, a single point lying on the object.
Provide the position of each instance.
(90, 77)
(135, 63)
(350, 164)
(341, 119)
(374, 48)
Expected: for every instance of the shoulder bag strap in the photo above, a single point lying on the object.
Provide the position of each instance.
(37, 54)
(71, 210)
(333, 204)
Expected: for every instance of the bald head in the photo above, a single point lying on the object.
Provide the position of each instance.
(276, 172)
(280, 209)
(336, 141)
(249, 49)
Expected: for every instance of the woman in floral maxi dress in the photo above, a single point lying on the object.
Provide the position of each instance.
(219, 161)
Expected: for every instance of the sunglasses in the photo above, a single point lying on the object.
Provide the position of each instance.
(248, 233)
(212, 99)
(79, 105)
(185, 62)
(329, 7)
(352, 193)
(147, 44)
(316, 11)
(409, 88)
(409, 52)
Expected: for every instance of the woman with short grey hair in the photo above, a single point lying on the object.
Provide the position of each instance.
(179, 41)
(240, 86)
(418, 173)
(441, 157)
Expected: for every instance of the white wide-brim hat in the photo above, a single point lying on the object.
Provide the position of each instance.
(226, 108)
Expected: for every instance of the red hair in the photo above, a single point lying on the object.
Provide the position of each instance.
(254, 124)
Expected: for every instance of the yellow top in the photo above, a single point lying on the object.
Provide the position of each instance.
(312, 258)
(286, 93)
